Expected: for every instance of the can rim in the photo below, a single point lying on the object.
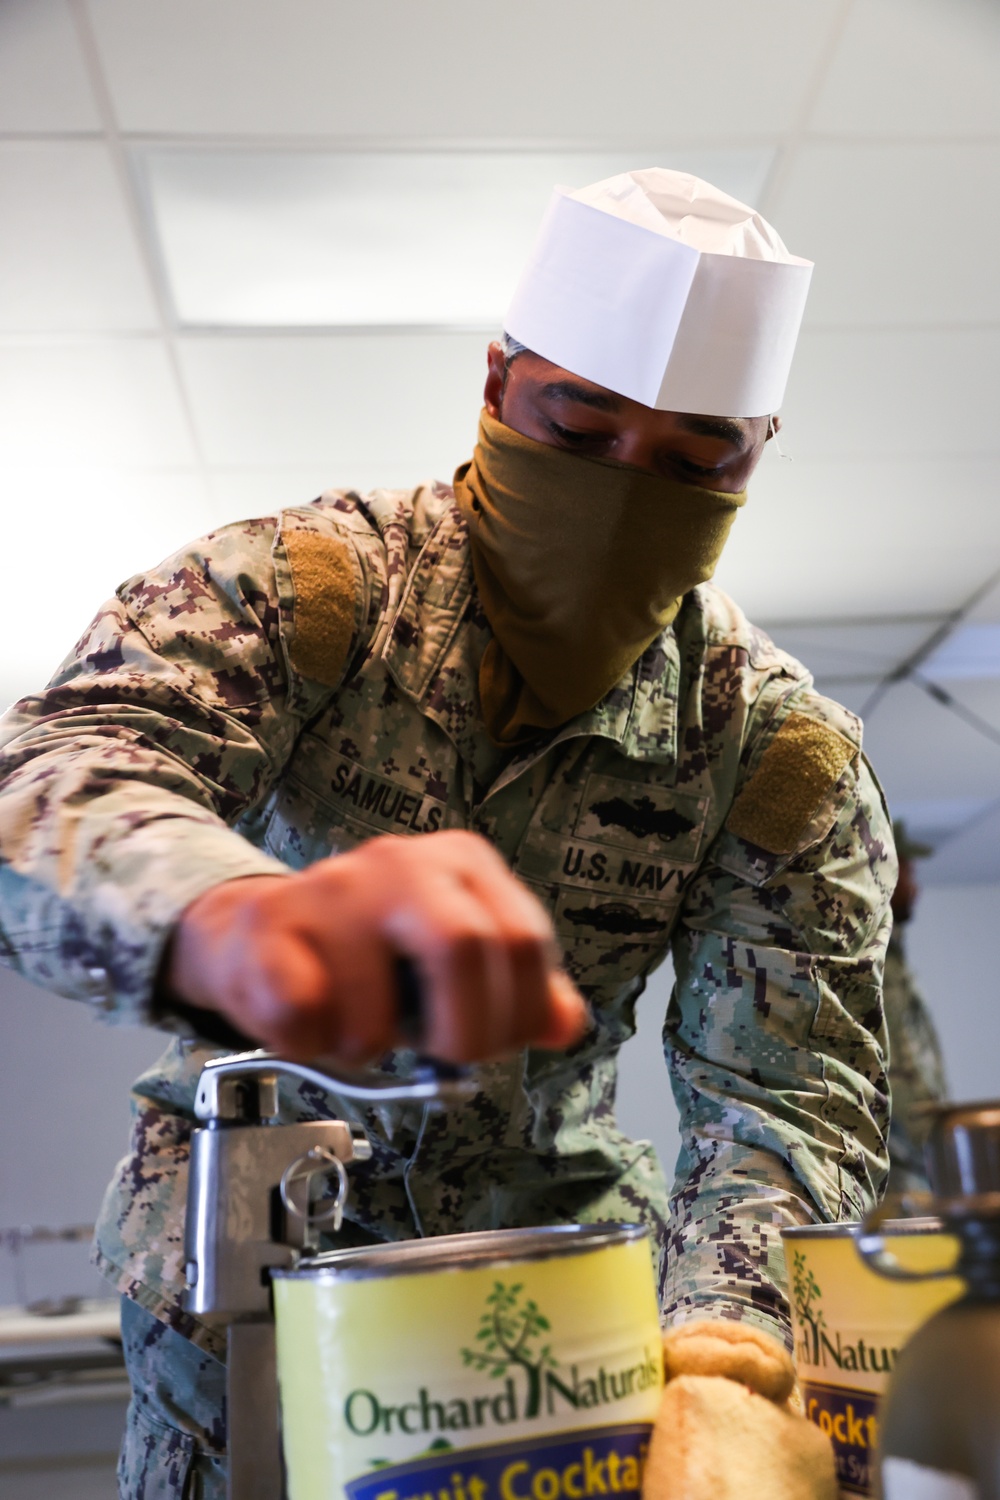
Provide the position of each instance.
(851, 1229)
(460, 1252)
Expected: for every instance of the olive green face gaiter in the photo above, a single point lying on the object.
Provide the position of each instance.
(580, 563)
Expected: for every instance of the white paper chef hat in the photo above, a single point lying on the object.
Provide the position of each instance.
(658, 286)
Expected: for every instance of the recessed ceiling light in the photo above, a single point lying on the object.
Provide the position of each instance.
(259, 239)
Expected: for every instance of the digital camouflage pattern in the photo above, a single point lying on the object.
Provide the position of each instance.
(178, 746)
(175, 1433)
(916, 1071)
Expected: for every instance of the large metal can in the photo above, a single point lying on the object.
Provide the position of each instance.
(518, 1364)
(850, 1325)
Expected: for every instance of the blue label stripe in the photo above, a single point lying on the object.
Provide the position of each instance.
(850, 1420)
(555, 1466)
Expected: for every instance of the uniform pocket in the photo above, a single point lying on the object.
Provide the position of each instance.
(642, 819)
(156, 1462)
(610, 857)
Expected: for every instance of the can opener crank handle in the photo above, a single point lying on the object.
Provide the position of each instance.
(251, 1210)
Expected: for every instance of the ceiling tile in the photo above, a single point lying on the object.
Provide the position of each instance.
(923, 752)
(860, 539)
(313, 238)
(970, 651)
(988, 608)
(99, 527)
(934, 822)
(661, 70)
(981, 697)
(914, 67)
(43, 81)
(68, 258)
(109, 403)
(866, 651)
(353, 403)
(910, 393)
(900, 233)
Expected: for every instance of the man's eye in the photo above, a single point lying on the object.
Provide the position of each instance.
(574, 439)
(702, 471)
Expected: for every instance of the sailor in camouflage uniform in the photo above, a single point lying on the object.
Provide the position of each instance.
(916, 1065)
(295, 687)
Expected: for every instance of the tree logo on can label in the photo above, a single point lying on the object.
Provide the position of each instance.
(506, 1340)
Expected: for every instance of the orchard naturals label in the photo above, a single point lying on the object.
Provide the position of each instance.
(849, 1325)
(529, 1379)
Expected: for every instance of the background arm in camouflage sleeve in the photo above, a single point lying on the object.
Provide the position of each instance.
(916, 1072)
(776, 1042)
(171, 718)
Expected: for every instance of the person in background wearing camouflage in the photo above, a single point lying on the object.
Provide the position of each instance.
(509, 730)
(916, 1066)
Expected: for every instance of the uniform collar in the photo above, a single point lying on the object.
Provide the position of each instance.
(436, 663)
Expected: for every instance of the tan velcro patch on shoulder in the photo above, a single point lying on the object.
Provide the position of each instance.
(324, 580)
(802, 763)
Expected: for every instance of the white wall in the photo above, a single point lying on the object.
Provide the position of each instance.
(646, 1107)
(950, 948)
(64, 1081)
(64, 1078)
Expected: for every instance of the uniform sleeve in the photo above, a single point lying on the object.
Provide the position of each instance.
(121, 782)
(775, 1034)
(916, 1074)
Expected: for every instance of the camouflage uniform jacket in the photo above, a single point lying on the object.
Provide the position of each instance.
(211, 724)
(916, 1070)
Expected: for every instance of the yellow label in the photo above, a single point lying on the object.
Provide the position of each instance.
(849, 1325)
(530, 1380)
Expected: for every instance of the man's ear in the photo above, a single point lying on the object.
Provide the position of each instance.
(773, 425)
(496, 369)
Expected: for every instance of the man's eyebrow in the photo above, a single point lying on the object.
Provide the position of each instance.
(569, 390)
(723, 428)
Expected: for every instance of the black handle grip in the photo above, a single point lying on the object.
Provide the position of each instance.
(211, 1027)
(409, 1001)
(410, 992)
(207, 1025)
